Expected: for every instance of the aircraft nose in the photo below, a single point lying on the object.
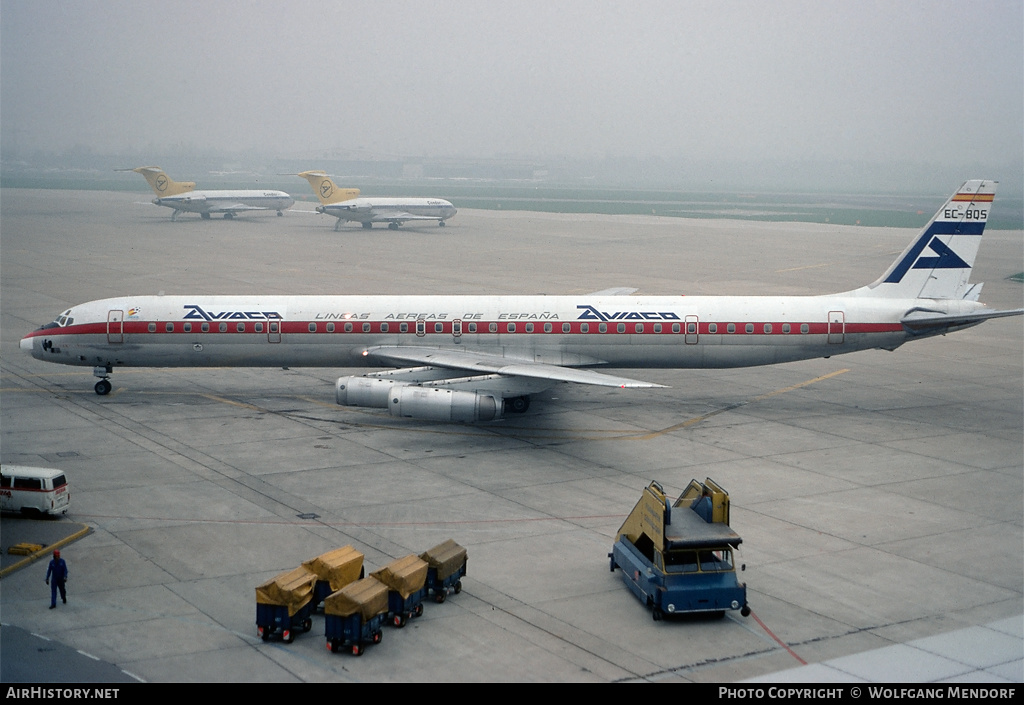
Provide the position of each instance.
(26, 343)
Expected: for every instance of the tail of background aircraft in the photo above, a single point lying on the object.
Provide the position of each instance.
(937, 264)
(161, 183)
(325, 189)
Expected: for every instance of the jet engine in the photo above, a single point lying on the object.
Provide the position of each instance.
(413, 401)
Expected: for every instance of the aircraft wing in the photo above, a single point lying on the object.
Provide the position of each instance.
(400, 217)
(483, 363)
(234, 208)
(921, 321)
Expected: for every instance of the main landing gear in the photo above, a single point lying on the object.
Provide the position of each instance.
(104, 386)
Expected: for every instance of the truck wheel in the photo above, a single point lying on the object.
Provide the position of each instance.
(657, 614)
(745, 611)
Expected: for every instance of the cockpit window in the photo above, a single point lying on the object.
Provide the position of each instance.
(64, 319)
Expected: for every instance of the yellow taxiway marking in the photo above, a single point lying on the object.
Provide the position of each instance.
(704, 417)
(448, 429)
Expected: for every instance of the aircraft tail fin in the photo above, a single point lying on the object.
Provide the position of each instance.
(325, 189)
(937, 263)
(161, 183)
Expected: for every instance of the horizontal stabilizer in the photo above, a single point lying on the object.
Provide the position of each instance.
(920, 321)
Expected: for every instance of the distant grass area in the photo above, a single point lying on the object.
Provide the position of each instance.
(1017, 277)
(899, 210)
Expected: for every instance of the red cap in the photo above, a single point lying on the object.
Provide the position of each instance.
(56, 553)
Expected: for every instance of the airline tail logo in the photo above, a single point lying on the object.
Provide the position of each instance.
(160, 183)
(326, 188)
(950, 240)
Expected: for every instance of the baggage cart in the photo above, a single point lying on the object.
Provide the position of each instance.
(406, 580)
(447, 567)
(353, 616)
(284, 604)
(334, 570)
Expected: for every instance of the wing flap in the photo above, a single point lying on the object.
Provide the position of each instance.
(481, 363)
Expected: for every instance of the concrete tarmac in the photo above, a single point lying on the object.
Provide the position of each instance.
(880, 495)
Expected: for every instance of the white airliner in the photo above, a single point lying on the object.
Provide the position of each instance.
(472, 358)
(183, 198)
(345, 204)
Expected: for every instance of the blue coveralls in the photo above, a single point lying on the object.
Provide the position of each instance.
(59, 571)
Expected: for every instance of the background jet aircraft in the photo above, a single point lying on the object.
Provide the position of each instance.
(345, 205)
(182, 197)
(471, 358)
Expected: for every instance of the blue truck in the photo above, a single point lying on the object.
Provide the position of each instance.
(678, 557)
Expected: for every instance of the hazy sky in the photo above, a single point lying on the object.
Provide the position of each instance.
(928, 81)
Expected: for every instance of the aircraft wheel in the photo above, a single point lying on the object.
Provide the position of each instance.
(367, 226)
(440, 224)
(393, 226)
(103, 387)
(229, 216)
(204, 216)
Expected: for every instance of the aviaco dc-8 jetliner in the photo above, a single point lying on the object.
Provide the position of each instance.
(183, 198)
(345, 204)
(474, 358)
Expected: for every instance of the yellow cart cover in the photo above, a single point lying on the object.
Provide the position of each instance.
(293, 590)
(447, 557)
(338, 567)
(368, 597)
(404, 575)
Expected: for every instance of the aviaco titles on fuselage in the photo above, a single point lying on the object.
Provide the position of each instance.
(183, 198)
(473, 358)
(345, 204)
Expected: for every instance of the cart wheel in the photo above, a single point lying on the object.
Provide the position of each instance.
(357, 649)
(399, 620)
(419, 610)
(262, 632)
(378, 636)
(440, 596)
(307, 625)
(458, 587)
(745, 611)
(657, 614)
(287, 636)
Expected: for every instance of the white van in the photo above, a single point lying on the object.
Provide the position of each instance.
(33, 490)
